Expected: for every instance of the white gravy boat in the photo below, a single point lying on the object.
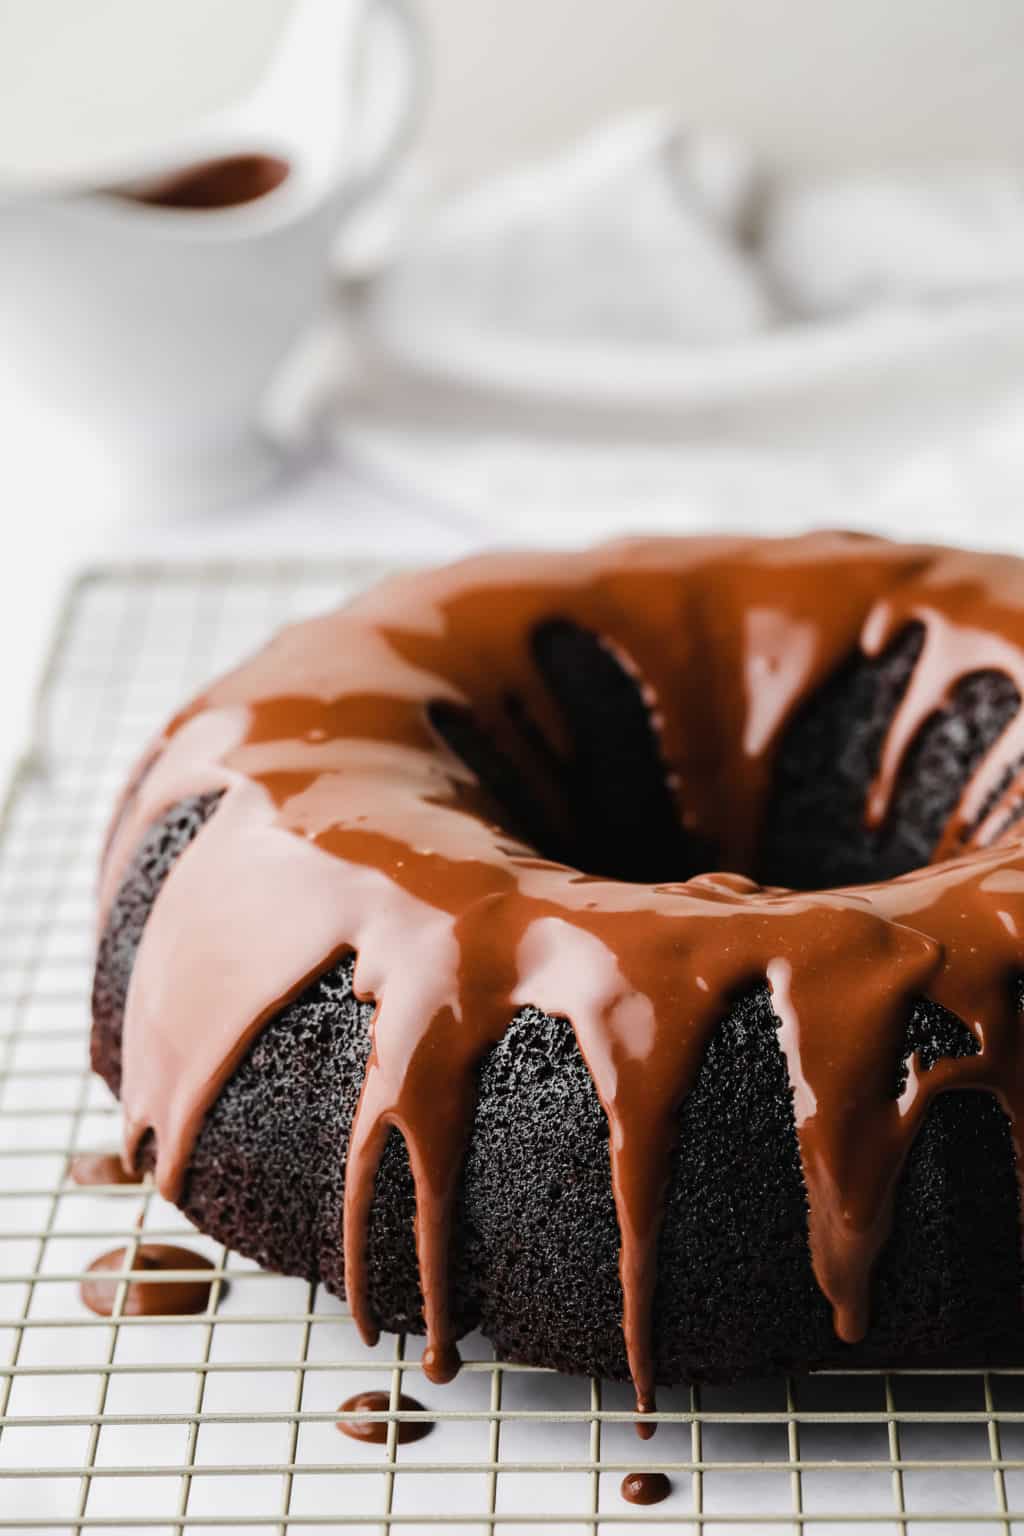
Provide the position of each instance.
(157, 307)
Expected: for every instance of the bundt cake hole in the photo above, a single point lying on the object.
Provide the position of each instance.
(616, 779)
(619, 818)
(515, 804)
(617, 815)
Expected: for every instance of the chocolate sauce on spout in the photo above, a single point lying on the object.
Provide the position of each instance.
(223, 183)
(347, 825)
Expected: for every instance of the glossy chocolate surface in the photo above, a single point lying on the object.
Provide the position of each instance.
(375, 1431)
(347, 824)
(645, 1487)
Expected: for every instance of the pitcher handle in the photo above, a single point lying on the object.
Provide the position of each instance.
(380, 144)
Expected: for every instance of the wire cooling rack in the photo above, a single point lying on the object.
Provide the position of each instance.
(227, 1420)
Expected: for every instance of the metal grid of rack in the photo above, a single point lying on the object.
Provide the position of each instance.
(227, 1419)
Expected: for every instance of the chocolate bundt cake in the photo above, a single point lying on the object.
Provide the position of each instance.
(619, 952)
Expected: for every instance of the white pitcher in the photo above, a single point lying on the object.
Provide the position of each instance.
(160, 326)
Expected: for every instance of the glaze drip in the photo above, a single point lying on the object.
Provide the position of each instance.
(101, 1168)
(348, 823)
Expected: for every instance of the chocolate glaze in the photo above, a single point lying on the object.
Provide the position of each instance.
(223, 183)
(645, 1487)
(347, 824)
(375, 1431)
(166, 1298)
(102, 1168)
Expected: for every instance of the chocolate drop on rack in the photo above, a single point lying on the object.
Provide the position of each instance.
(143, 1298)
(375, 1431)
(645, 1487)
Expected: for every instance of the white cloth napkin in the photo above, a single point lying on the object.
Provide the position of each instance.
(592, 248)
(860, 241)
(654, 328)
